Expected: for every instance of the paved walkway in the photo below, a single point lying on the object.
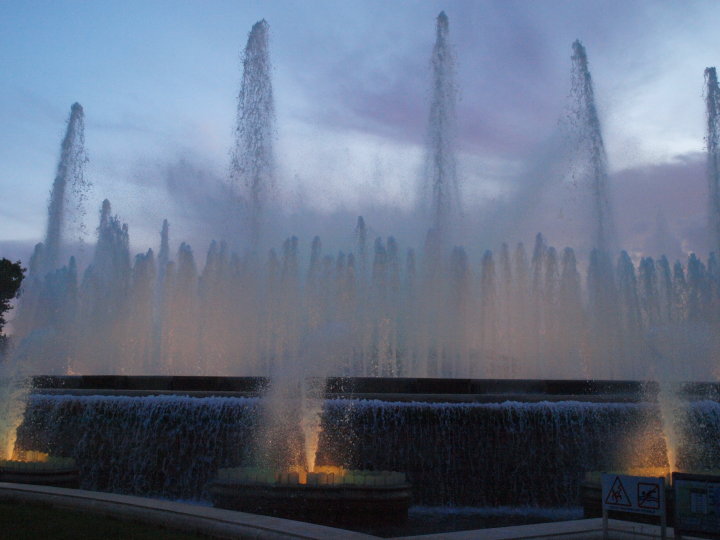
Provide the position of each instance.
(581, 529)
(213, 522)
(218, 523)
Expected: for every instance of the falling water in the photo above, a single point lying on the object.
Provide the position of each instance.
(465, 312)
(47, 317)
(455, 453)
(160, 295)
(378, 309)
(712, 100)
(13, 400)
(314, 313)
(440, 159)
(591, 149)
(69, 188)
(253, 161)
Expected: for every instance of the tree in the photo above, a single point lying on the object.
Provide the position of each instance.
(11, 276)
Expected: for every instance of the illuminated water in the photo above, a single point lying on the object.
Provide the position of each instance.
(465, 454)
(378, 308)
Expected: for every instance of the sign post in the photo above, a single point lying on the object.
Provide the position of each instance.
(697, 505)
(634, 495)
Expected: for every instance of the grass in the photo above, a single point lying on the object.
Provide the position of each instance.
(22, 521)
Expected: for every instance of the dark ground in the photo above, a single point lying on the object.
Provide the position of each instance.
(21, 521)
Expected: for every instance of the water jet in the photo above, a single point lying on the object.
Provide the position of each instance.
(461, 368)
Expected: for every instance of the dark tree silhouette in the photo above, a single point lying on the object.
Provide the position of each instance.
(11, 276)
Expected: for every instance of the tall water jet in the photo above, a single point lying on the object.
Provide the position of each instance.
(592, 165)
(160, 294)
(467, 315)
(441, 175)
(105, 305)
(253, 161)
(48, 303)
(69, 187)
(712, 101)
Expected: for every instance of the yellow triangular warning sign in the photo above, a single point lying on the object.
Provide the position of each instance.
(617, 496)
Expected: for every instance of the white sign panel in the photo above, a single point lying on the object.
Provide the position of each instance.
(635, 494)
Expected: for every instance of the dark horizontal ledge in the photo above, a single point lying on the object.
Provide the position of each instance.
(387, 388)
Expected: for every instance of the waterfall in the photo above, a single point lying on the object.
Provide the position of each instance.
(463, 454)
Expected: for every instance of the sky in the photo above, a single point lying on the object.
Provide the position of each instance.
(159, 81)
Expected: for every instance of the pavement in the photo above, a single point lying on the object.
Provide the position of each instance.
(218, 523)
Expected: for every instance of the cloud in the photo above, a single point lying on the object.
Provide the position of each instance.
(17, 250)
(671, 194)
(356, 76)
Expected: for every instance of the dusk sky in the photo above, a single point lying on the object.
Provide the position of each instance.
(159, 83)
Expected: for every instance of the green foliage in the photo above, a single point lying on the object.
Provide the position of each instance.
(11, 276)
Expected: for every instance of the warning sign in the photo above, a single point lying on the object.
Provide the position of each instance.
(648, 496)
(635, 494)
(697, 504)
(617, 496)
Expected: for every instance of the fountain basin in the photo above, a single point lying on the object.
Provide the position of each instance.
(40, 469)
(329, 498)
(460, 453)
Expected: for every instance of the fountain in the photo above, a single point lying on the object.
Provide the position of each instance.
(712, 100)
(440, 160)
(591, 151)
(32, 467)
(382, 311)
(253, 162)
(331, 495)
